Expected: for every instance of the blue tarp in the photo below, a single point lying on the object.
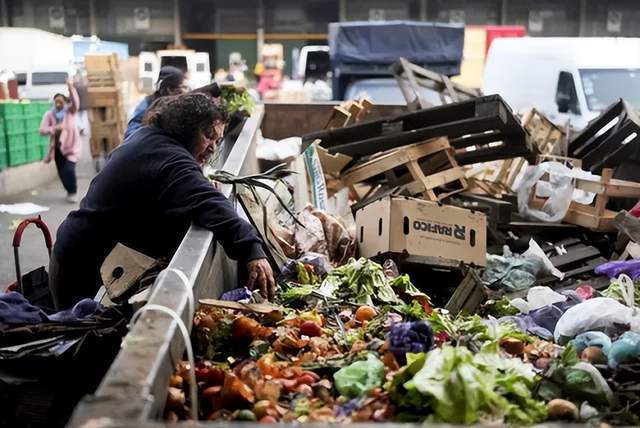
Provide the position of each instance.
(384, 42)
(360, 50)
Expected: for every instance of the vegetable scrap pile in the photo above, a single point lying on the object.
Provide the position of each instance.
(360, 343)
(237, 99)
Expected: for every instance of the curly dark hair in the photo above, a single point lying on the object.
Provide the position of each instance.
(184, 116)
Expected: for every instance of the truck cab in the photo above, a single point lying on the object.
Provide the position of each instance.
(195, 65)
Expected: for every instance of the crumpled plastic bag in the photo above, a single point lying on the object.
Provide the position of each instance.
(559, 191)
(625, 349)
(592, 338)
(600, 313)
(512, 272)
(613, 269)
(359, 378)
(537, 297)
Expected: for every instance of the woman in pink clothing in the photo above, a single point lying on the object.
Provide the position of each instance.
(64, 146)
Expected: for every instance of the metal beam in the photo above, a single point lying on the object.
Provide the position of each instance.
(5, 13)
(177, 30)
(260, 31)
(424, 9)
(503, 12)
(93, 29)
(28, 13)
(582, 29)
(342, 12)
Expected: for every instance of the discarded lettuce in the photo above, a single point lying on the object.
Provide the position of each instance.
(359, 378)
(462, 387)
(360, 281)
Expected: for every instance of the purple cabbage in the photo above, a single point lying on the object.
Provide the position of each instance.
(411, 337)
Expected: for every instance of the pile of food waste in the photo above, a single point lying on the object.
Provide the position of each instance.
(360, 343)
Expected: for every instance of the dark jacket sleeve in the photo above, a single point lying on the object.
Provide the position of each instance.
(136, 119)
(184, 190)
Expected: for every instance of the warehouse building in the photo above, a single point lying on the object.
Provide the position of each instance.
(224, 26)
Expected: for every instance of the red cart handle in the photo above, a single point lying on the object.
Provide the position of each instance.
(17, 237)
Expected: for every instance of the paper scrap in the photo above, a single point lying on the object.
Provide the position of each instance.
(24, 208)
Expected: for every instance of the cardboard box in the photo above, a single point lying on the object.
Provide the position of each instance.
(399, 224)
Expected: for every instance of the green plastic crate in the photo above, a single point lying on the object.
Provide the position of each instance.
(16, 140)
(29, 109)
(32, 123)
(43, 107)
(17, 157)
(3, 158)
(44, 150)
(14, 124)
(33, 139)
(33, 154)
(10, 108)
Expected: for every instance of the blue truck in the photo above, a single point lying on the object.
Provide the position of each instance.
(361, 55)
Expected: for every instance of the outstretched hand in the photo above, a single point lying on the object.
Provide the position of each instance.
(261, 275)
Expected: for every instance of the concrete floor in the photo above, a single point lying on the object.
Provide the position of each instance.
(33, 251)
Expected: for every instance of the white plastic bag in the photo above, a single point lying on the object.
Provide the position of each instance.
(538, 297)
(534, 250)
(628, 294)
(598, 313)
(559, 191)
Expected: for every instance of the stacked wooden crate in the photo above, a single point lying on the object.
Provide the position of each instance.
(107, 113)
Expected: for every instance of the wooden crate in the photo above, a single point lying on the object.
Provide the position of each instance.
(101, 63)
(104, 97)
(469, 295)
(596, 217)
(544, 135)
(414, 157)
(348, 113)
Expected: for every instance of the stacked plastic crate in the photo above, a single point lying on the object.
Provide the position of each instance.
(14, 132)
(20, 139)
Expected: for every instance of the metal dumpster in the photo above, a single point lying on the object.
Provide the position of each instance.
(135, 387)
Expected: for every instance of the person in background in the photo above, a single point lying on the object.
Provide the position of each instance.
(60, 125)
(150, 207)
(171, 81)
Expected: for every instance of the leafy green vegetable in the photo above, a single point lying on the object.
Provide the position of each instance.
(568, 377)
(413, 311)
(359, 378)
(471, 331)
(295, 292)
(210, 342)
(614, 292)
(237, 99)
(460, 386)
(500, 308)
(360, 281)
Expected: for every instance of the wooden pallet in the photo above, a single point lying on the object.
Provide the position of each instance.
(482, 122)
(413, 157)
(412, 79)
(596, 217)
(544, 136)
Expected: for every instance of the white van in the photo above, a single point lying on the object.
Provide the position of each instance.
(195, 64)
(566, 78)
(43, 83)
